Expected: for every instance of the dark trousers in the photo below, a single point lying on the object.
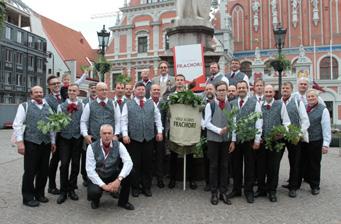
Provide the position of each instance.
(243, 152)
(69, 151)
(36, 164)
(159, 158)
(173, 169)
(53, 166)
(218, 161)
(273, 161)
(95, 192)
(141, 154)
(311, 163)
(83, 163)
(294, 156)
(261, 167)
(206, 160)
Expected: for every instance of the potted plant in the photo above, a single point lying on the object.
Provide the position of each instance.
(102, 66)
(280, 63)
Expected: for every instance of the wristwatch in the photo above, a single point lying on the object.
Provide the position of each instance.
(120, 178)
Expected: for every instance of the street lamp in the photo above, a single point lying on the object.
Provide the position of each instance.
(279, 33)
(103, 40)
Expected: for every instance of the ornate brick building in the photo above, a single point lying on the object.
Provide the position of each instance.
(243, 29)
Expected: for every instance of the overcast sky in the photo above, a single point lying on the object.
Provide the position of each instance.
(76, 14)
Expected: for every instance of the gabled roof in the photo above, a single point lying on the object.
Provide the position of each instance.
(70, 44)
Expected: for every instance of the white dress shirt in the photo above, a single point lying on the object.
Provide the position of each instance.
(326, 128)
(163, 79)
(157, 118)
(258, 124)
(303, 98)
(284, 114)
(20, 118)
(81, 79)
(91, 164)
(304, 119)
(86, 115)
(208, 117)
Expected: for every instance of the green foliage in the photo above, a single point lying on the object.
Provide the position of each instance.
(102, 66)
(245, 128)
(231, 118)
(185, 97)
(123, 79)
(56, 122)
(292, 135)
(199, 148)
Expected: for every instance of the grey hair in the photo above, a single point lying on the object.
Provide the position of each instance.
(106, 126)
(313, 91)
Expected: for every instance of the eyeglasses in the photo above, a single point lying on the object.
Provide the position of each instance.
(54, 84)
(163, 67)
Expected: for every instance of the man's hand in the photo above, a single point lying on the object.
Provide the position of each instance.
(115, 138)
(223, 131)
(159, 137)
(21, 147)
(324, 150)
(53, 148)
(115, 185)
(126, 140)
(232, 147)
(255, 146)
(107, 188)
(88, 139)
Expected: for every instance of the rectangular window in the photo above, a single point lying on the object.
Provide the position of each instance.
(142, 43)
(19, 37)
(30, 41)
(8, 78)
(39, 45)
(20, 81)
(30, 63)
(39, 65)
(9, 55)
(139, 76)
(8, 34)
(19, 59)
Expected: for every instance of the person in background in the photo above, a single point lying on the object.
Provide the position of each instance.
(66, 80)
(146, 81)
(236, 75)
(232, 93)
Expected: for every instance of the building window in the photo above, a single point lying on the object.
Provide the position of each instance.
(246, 68)
(138, 76)
(328, 67)
(166, 42)
(19, 59)
(39, 45)
(19, 37)
(30, 63)
(9, 55)
(8, 78)
(30, 41)
(142, 44)
(8, 34)
(2, 98)
(32, 81)
(20, 80)
(39, 65)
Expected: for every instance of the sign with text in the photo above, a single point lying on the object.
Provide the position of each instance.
(189, 61)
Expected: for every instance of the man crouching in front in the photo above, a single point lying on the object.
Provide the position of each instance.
(103, 159)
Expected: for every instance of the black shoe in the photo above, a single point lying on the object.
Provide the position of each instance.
(147, 192)
(214, 199)
(115, 195)
(160, 183)
(260, 193)
(94, 204)
(292, 193)
(42, 199)
(32, 203)
(171, 183)
(62, 197)
(127, 206)
(249, 197)
(225, 199)
(135, 193)
(315, 191)
(54, 191)
(272, 197)
(286, 186)
(193, 185)
(234, 193)
(73, 196)
(207, 187)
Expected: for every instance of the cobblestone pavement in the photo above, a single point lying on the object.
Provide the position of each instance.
(173, 206)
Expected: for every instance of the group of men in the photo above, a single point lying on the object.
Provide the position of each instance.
(125, 137)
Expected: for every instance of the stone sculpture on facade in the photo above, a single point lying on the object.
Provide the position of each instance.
(255, 10)
(295, 4)
(316, 16)
(274, 12)
(193, 12)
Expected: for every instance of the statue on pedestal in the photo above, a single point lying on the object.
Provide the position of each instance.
(193, 12)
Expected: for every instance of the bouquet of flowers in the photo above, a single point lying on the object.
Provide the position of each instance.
(55, 123)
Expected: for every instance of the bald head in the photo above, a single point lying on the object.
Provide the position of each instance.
(37, 93)
(302, 85)
(269, 93)
(155, 91)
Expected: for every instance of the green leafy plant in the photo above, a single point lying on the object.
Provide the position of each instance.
(55, 123)
(185, 97)
(245, 127)
(199, 148)
(125, 79)
(281, 63)
(102, 66)
(293, 135)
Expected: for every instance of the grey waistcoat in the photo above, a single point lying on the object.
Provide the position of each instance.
(100, 115)
(271, 117)
(52, 102)
(73, 129)
(33, 115)
(315, 128)
(237, 77)
(217, 79)
(293, 112)
(141, 121)
(219, 120)
(107, 167)
(248, 108)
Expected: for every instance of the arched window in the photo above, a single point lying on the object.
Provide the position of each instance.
(246, 68)
(327, 67)
(238, 27)
(293, 66)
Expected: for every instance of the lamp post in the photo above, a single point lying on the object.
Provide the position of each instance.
(102, 66)
(279, 33)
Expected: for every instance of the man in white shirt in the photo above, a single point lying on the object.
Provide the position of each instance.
(303, 86)
(298, 117)
(35, 146)
(236, 75)
(216, 76)
(128, 91)
(103, 159)
(319, 140)
(258, 90)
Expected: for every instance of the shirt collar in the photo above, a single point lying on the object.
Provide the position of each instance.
(33, 101)
(245, 99)
(99, 100)
(102, 144)
(137, 100)
(69, 101)
(272, 101)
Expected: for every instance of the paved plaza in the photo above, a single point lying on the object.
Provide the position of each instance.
(173, 206)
